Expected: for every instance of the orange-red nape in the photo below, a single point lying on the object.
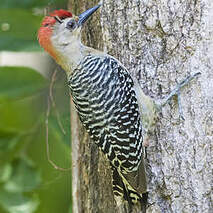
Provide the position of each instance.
(45, 31)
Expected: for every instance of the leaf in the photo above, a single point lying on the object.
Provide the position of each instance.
(56, 185)
(21, 107)
(20, 117)
(5, 172)
(29, 3)
(19, 177)
(18, 30)
(19, 82)
(17, 203)
(9, 146)
(24, 178)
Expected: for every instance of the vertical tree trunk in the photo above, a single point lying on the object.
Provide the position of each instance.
(160, 42)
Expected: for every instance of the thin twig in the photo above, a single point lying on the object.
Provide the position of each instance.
(53, 102)
(47, 128)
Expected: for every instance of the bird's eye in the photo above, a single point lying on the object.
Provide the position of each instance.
(71, 24)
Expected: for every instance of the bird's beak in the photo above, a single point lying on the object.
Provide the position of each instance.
(85, 15)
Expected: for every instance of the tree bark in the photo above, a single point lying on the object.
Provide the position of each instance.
(160, 43)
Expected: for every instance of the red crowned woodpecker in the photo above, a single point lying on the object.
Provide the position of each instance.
(110, 103)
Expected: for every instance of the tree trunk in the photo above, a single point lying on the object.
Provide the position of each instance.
(160, 42)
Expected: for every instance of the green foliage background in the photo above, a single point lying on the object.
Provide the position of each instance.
(28, 183)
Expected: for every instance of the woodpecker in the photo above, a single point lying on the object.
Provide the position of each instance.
(110, 103)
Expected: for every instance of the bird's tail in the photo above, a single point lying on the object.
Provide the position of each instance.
(131, 186)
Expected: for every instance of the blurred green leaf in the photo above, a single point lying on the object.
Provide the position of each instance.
(18, 114)
(18, 29)
(22, 133)
(21, 108)
(28, 3)
(9, 146)
(20, 118)
(23, 99)
(19, 82)
(17, 203)
(5, 172)
(55, 192)
(19, 177)
(24, 178)
(5, 138)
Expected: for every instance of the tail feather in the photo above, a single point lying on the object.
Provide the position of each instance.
(143, 202)
(137, 179)
(132, 187)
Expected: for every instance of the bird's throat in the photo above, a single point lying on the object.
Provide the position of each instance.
(70, 56)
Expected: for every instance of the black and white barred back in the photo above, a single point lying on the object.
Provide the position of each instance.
(104, 96)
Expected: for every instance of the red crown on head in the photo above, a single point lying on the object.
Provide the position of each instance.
(62, 14)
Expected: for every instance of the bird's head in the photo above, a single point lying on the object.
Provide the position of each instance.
(61, 28)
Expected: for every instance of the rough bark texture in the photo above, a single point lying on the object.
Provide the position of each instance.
(160, 42)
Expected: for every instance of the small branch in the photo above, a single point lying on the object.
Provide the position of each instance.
(50, 98)
(53, 102)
